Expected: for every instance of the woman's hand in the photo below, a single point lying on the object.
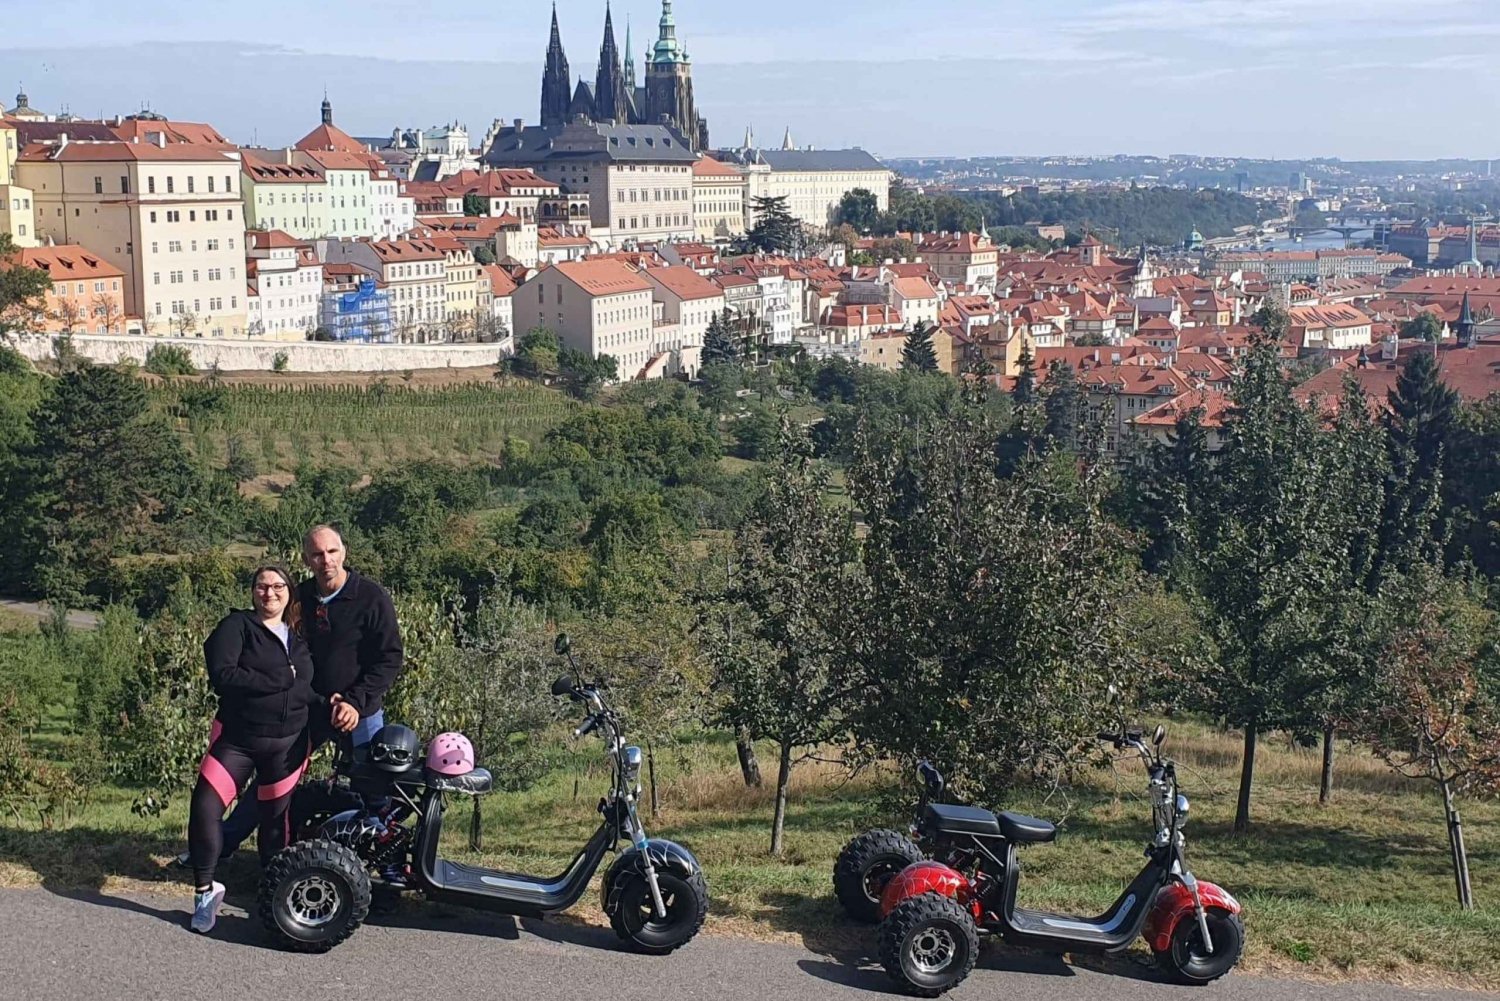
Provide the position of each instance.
(344, 716)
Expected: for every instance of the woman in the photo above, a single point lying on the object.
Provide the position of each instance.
(260, 667)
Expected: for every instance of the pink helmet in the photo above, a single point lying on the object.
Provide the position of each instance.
(450, 754)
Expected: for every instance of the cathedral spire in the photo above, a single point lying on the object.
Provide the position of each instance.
(610, 101)
(786, 140)
(667, 50)
(629, 58)
(557, 80)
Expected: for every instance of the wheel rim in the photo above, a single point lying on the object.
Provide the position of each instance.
(676, 899)
(313, 901)
(876, 878)
(933, 950)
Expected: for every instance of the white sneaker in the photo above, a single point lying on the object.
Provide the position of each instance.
(206, 909)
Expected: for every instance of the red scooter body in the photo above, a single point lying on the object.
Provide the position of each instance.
(930, 877)
(1174, 903)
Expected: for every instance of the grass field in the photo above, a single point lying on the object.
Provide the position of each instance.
(1360, 889)
(363, 423)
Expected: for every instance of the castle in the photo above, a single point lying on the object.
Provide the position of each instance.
(666, 97)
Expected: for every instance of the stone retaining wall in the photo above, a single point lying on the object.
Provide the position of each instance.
(252, 356)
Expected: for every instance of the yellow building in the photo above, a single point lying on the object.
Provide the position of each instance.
(17, 216)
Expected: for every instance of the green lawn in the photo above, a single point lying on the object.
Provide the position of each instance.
(1360, 889)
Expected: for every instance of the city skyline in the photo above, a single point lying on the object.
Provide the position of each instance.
(1357, 79)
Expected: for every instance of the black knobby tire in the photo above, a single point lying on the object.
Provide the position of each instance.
(634, 916)
(314, 895)
(864, 867)
(928, 944)
(1185, 960)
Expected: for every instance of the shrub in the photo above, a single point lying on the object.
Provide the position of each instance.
(169, 360)
(279, 363)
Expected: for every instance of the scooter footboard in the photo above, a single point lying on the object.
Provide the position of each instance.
(666, 856)
(1174, 903)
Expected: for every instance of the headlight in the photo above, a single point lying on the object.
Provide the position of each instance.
(1182, 806)
(632, 765)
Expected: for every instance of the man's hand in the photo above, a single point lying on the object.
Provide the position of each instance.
(344, 717)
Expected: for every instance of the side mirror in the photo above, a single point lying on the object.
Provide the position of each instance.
(1113, 694)
(562, 686)
(1159, 736)
(562, 645)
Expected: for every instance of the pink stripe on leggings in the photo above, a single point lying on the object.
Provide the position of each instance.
(276, 790)
(218, 776)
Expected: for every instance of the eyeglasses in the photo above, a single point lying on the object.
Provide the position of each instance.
(270, 588)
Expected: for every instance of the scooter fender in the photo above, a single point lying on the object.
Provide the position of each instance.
(928, 877)
(666, 856)
(1174, 903)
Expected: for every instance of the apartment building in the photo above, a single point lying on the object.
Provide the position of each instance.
(602, 307)
(87, 295)
(413, 274)
(688, 302)
(17, 217)
(285, 286)
(718, 200)
(169, 216)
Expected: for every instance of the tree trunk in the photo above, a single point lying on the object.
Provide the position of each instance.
(1456, 847)
(1325, 784)
(476, 829)
(1247, 780)
(749, 766)
(783, 779)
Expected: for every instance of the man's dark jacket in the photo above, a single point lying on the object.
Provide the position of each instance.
(355, 642)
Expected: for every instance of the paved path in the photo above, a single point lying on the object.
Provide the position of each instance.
(88, 947)
(76, 619)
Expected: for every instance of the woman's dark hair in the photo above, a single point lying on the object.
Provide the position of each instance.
(292, 614)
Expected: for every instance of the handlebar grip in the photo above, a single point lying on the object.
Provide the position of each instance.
(587, 727)
(1113, 738)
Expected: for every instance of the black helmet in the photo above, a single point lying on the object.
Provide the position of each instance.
(395, 748)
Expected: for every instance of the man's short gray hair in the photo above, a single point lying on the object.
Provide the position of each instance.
(307, 539)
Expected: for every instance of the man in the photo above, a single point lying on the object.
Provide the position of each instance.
(350, 626)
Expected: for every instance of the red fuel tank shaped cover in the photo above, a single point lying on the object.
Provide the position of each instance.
(928, 877)
(1173, 904)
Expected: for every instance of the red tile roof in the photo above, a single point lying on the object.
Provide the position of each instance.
(603, 277)
(331, 137)
(685, 283)
(66, 262)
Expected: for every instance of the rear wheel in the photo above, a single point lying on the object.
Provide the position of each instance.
(1186, 959)
(314, 895)
(928, 944)
(865, 866)
(634, 917)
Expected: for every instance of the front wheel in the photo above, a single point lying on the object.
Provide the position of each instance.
(928, 944)
(865, 866)
(634, 917)
(314, 894)
(1186, 960)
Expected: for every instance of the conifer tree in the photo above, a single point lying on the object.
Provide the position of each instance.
(718, 345)
(918, 354)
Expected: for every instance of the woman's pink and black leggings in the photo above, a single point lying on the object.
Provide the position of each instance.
(276, 762)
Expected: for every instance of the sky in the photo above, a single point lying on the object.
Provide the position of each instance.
(1359, 79)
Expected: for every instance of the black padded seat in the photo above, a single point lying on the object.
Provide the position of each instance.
(952, 819)
(475, 783)
(1021, 828)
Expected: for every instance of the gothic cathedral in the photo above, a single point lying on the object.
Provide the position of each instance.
(615, 97)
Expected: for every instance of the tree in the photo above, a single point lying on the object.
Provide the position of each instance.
(718, 344)
(68, 313)
(280, 361)
(1272, 561)
(1025, 392)
(776, 230)
(22, 290)
(107, 309)
(536, 354)
(585, 375)
(795, 576)
(1063, 401)
(169, 360)
(186, 323)
(493, 685)
(484, 254)
(964, 654)
(101, 472)
(474, 205)
(1420, 424)
(918, 354)
(1272, 319)
(1425, 326)
(1435, 714)
(859, 208)
(1163, 491)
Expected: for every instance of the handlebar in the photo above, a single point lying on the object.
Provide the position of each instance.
(588, 726)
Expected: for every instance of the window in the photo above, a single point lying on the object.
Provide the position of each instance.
(174, 246)
(190, 185)
(151, 189)
(173, 215)
(153, 216)
(192, 215)
(211, 245)
(228, 183)
(98, 286)
(125, 185)
(98, 185)
(231, 216)
(170, 185)
(154, 246)
(210, 183)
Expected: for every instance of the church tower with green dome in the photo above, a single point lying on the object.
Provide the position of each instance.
(669, 84)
